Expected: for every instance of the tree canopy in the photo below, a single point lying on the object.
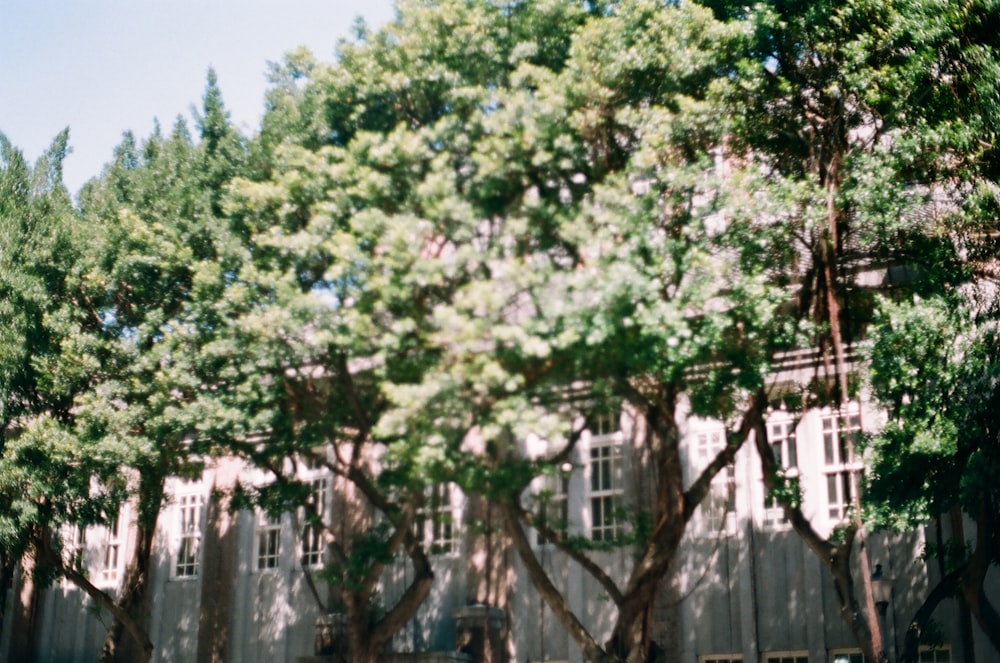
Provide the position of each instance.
(488, 221)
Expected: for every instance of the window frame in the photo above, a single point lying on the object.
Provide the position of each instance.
(438, 521)
(851, 655)
(312, 547)
(190, 519)
(110, 556)
(934, 651)
(790, 656)
(714, 513)
(842, 462)
(551, 503)
(267, 542)
(605, 486)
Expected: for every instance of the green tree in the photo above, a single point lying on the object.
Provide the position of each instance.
(163, 265)
(463, 215)
(109, 305)
(48, 357)
(862, 117)
(934, 370)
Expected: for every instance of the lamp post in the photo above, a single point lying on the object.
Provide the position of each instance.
(881, 590)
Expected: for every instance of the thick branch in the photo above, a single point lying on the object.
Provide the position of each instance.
(102, 599)
(753, 418)
(946, 588)
(550, 594)
(411, 600)
(559, 541)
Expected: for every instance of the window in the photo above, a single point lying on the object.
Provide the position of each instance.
(724, 658)
(436, 520)
(843, 468)
(606, 423)
(553, 505)
(847, 656)
(75, 547)
(718, 503)
(110, 551)
(787, 657)
(935, 654)
(311, 462)
(605, 489)
(268, 541)
(189, 510)
(781, 436)
(312, 534)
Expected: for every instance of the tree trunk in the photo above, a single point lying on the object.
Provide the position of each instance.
(631, 638)
(553, 598)
(979, 565)
(132, 597)
(24, 617)
(130, 600)
(835, 558)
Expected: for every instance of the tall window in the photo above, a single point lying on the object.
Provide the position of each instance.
(110, 551)
(719, 500)
(843, 466)
(716, 658)
(848, 656)
(781, 437)
(268, 541)
(312, 535)
(553, 505)
(442, 517)
(606, 488)
(75, 547)
(436, 521)
(189, 510)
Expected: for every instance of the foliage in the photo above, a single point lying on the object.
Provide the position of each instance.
(934, 370)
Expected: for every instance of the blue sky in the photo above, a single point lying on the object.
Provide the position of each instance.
(105, 66)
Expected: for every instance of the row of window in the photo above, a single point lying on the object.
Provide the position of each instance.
(435, 524)
(438, 520)
(927, 655)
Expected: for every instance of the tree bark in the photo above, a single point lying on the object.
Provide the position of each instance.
(835, 558)
(131, 599)
(589, 647)
(945, 589)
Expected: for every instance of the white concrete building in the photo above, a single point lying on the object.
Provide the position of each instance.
(745, 588)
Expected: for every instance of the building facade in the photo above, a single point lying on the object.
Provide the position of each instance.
(248, 588)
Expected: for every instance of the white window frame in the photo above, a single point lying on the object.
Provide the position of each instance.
(267, 542)
(190, 518)
(552, 505)
(842, 462)
(112, 539)
(721, 658)
(605, 477)
(438, 520)
(786, 657)
(74, 549)
(312, 547)
(781, 436)
(783, 441)
(718, 507)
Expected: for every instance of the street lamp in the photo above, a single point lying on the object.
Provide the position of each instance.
(881, 590)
